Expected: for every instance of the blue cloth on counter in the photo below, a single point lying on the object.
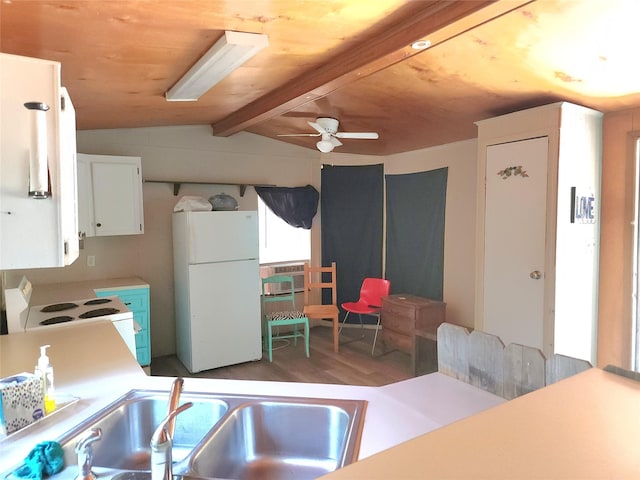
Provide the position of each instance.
(47, 458)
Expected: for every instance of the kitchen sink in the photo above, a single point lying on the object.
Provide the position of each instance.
(128, 424)
(278, 440)
(224, 436)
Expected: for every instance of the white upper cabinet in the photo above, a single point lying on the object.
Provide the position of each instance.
(110, 195)
(36, 231)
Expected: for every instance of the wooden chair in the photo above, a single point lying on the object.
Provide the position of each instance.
(286, 317)
(313, 280)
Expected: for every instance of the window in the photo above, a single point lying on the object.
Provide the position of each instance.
(279, 241)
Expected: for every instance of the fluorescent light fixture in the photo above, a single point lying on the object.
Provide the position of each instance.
(228, 53)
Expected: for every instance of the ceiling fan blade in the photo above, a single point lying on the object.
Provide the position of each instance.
(335, 141)
(317, 127)
(363, 135)
(299, 134)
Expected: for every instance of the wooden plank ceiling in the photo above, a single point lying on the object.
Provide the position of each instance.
(348, 59)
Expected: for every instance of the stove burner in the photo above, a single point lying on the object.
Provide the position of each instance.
(54, 320)
(99, 312)
(97, 301)
(58, 307)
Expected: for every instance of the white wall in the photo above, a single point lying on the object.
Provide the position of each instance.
(192, 153)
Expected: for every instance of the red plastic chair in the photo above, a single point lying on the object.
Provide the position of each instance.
(369, 303)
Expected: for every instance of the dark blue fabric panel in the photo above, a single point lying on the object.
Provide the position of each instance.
(415, 232)
(352, 210)
(295, 205)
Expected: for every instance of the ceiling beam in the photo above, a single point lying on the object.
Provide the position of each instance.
(440, 21)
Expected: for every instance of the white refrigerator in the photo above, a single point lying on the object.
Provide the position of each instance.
(217, 288)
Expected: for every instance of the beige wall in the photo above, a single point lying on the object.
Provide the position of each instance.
(192, 153)
(459, 235)
(460, 219)
(615, 337)
(175, 153)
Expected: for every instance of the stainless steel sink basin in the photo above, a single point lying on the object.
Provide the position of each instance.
(225, 436)
(279, 440)
(128, 424)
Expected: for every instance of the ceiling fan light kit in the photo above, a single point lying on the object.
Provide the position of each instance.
(231, 51)
(325, 146)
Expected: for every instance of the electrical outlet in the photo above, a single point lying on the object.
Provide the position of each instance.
(91, 261)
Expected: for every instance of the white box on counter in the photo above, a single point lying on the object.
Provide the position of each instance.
(21, 402)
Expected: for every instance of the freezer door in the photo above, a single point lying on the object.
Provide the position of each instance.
(225, 314)
(221, 236)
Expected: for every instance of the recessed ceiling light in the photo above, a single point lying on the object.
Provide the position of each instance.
(421, 44)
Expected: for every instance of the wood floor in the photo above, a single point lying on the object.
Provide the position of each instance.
(353, 365)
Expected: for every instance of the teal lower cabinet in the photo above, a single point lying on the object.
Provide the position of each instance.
(136, 300)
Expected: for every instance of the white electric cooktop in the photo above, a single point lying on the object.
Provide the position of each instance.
(85, 310)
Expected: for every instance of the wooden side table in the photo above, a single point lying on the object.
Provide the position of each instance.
(410, 324)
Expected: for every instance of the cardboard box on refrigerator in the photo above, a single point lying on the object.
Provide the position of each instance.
(21, 402)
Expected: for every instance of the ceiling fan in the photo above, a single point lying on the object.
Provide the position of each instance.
(327, 128)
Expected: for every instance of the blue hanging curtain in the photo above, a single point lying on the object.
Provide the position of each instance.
(415, 232)
(295, 205)
(352, 212)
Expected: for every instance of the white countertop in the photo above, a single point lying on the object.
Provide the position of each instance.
(92, 362)
(584, 427)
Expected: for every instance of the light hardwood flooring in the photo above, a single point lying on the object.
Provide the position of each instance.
(353, 365)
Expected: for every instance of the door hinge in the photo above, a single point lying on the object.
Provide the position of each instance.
(63, 103)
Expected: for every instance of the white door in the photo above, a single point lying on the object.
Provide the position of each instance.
(515, 224)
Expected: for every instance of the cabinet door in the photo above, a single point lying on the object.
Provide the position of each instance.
(515, 222)
(68, 179)
(35, 233)
(137, 300)
(116, 198)
(111, 195)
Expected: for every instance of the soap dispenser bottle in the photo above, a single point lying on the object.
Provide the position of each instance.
(45, 370)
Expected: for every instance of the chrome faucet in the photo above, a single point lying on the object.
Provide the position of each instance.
(84, 450)
(161, 444)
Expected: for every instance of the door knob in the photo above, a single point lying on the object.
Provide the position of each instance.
(536, 275)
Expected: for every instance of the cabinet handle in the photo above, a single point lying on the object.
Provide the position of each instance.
(535, 275)
(98, 224)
